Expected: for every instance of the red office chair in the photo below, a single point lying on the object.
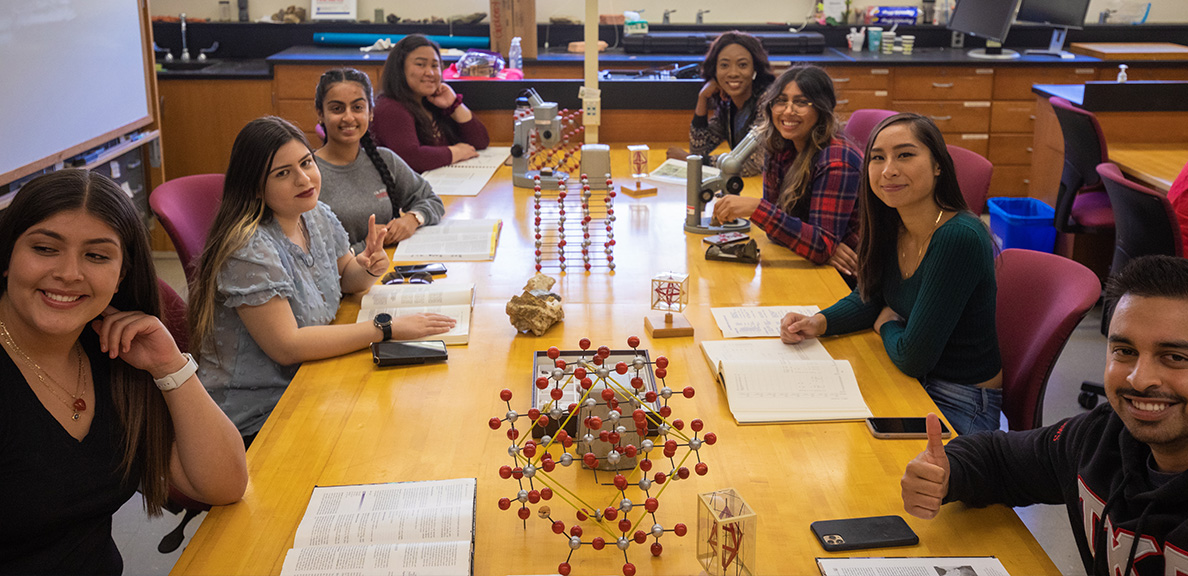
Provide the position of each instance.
(186, 207)
(973, 175)
(1041, 299)
(862, 121)
(1082, 205)
(173, 316)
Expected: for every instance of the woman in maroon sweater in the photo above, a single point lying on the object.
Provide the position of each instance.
(420, 118)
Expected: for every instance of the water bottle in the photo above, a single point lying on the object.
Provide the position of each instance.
(515, 58)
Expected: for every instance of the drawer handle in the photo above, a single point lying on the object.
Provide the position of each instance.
(1029, 149)
(941, 118)
(840, 80)
(1031, 117)
(1027, 181)
(843, 102)
(940, 85)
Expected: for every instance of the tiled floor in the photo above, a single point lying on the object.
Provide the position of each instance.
(1083, 359)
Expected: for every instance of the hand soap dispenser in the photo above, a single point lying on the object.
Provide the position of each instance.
(1122, 73)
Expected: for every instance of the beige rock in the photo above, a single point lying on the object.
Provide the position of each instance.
(537, 309)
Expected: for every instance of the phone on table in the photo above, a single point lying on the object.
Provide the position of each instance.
(913, 427)
(388, 353)
(433, 269)
(863, 533)
(724, 239)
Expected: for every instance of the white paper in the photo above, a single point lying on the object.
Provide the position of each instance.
(467, 178)
(419, 559)
(717, 351)
(755, 321)
(436, 294)
(783, 390)
(673, 171)
(459, 334)
(432, 511)
(955, 566)
(451, 240)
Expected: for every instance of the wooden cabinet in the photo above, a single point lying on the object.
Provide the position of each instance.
(200, 119)
(943, 83)
(859, 88)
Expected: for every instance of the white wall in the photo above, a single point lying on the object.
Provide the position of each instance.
(721, 12)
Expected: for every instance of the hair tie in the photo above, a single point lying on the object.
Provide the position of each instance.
(449, 111)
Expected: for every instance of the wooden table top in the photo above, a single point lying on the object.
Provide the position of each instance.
(1155, 165)
(344, 422)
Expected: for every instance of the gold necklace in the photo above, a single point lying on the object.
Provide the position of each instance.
(920, 250)
(79, 404)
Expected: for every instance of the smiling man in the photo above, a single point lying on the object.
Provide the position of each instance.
(1119, 470)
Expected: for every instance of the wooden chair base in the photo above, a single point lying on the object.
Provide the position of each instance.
(667, 325)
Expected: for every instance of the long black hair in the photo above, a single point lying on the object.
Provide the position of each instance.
(336, 75)
(429, 119)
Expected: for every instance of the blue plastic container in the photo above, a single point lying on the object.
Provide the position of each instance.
(1022, 223)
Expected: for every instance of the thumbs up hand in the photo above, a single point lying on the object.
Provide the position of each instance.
(926, 480)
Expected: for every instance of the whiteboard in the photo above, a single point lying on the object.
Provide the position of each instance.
(73, 76)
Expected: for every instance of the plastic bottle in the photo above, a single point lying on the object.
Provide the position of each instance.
(515, 57)
(1122, 73)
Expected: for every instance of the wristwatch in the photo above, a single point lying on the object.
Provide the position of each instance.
(170, 381)
(383, 321)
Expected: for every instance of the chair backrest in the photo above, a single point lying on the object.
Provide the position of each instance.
(864, 120)
(1145, 222)
(173, 315)
(1084, 148)
(1041, 299)
(186, 207)
(973, 175)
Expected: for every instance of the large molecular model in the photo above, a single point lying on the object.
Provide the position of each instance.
(553, 248)
(605, 397)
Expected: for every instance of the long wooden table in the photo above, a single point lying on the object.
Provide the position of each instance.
(344, 422)
(1155, 165)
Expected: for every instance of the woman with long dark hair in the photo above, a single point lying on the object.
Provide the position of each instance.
(926, 279)
(418, 116)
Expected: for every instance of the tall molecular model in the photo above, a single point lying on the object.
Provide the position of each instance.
(553, 248)
(533, 461)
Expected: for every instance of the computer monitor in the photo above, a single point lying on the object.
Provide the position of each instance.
(989, 19)
(1060, 14)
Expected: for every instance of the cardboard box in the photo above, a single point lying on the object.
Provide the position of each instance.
(511, 18)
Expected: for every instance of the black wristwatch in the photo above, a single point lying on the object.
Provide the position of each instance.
(383, 321)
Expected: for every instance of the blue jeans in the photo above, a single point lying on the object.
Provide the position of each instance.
(968, 408)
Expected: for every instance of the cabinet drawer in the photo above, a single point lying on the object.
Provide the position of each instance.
(1014, 83)
(951, 116)
(934, 83)
(293, 81)
(859, 78)
(1010, 149)
(1010, 181)
(851, 100)
(1012, 116)
(973, 142)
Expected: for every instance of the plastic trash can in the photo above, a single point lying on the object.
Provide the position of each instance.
(1022, 223)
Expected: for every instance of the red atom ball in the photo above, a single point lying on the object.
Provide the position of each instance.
(650, 396)
(581, 516)
(534, 496)
(513, 434)
(556, 393)
(524, 513)
(660, 477)
(553, 352)
(546, 493)
(560, 363)
(597, 543)
(701, 468)
(610, 513)
(621, 367)
(608, 394)
(662, 362)
(579, 372)
(624, 525)
(665, 411)
(629, 569)
(683, 472)
(584, 343)
(604, 351)
(646, 465)
(697, 424)
(651, 504)
(633, 341)
(586, 383)
(504, 503)
(688, 392)
(637, 382)
(678, 424)
(590, 459)
(640, 537)
(630, 451)
(575, 531)
(505, 472)
(595, 422)
(620, 483)
(680, 529)
(657, 549)
(530, 450)
(661, 373)
(517, 472)
(711, 438)
(494, 423)
(542, 382)
(563, 569)
(505, 395)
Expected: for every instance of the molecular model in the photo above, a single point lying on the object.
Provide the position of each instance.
(547, 143)
(612, 410)
(553, 247)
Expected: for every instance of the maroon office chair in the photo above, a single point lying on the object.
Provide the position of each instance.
(186, 207)
(862, 121)
(973, 175)
(1082, 205)
(1041, 299)
(1145, 223)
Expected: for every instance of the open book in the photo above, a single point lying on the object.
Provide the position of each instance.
(673, 171)
(453, 300)
(942, 566)
(423, 528)
(468, 177)
(451, 240)
(769, 381)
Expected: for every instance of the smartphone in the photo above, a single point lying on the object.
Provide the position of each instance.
(390, 353)
(723, 239)
(863, 533)
(902, 428)
(433, 269)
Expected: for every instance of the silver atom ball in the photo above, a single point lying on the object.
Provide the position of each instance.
(694, 444)
(566, 459)
(602, 372)
(663, 429)
(529, 471)
(512, 416)
(622, 543)
(612, 457)
(575, 542)
(558, 374)
(614, 416)
(638, 363)
(544, 440)
(646, 445)
(657, 530)
(513, 450)
(555, 413)
(590, 402)
(666, 392)
(588, 438)
(645, 484)
(522, 496)
(621, 429)
(625, 505)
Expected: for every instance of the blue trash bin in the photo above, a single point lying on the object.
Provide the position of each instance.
(1022, 223)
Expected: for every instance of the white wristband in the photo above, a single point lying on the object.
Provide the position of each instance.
(170, 381)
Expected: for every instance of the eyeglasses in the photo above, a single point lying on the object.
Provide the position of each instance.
(395, 277)
(799, 105)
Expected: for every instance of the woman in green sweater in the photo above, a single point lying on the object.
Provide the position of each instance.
(925, 276)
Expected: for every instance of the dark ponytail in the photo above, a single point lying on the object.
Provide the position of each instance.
(369, 147)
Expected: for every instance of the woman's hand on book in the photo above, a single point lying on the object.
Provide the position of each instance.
(421, 325)
(400, 228)
(795, 328)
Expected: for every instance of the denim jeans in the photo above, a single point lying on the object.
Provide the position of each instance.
(968, 408)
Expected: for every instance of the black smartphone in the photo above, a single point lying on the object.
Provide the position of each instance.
(434, 269)
(863, 533)
(913, 427)
(390, 353)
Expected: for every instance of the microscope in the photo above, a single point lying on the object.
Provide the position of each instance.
(546, 144)
(700, 192)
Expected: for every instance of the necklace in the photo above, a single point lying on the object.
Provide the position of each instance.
(924, 244)
(79, 404)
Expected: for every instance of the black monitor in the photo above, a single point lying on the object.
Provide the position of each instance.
(989, 19)
(1060, 14)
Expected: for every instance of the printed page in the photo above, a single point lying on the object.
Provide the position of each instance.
(452, 240)
(419, 559)
(783, 390)
(673, 171)
(956, 566)
(436, 294)
(718, 351)
(459, 334)
(467, 178)
(432, 511)
(755, 321)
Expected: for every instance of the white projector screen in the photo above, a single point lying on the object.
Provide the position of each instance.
(73, 76)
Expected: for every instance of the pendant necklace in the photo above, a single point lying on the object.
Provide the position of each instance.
(79, 404)
(920, 251)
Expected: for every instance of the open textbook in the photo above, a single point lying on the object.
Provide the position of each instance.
(468, 177)
(421, 528)
(769, 381)
(755, 321)
(943, 566)
(451, 240)
(453, 300)
(673, 171)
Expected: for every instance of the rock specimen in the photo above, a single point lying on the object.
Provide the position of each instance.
(536, 309)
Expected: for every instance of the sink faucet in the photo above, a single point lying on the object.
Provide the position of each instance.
(701, 20)
(185, 55)
(666, 13)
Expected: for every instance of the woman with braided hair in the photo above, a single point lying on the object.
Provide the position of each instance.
(357, 185)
